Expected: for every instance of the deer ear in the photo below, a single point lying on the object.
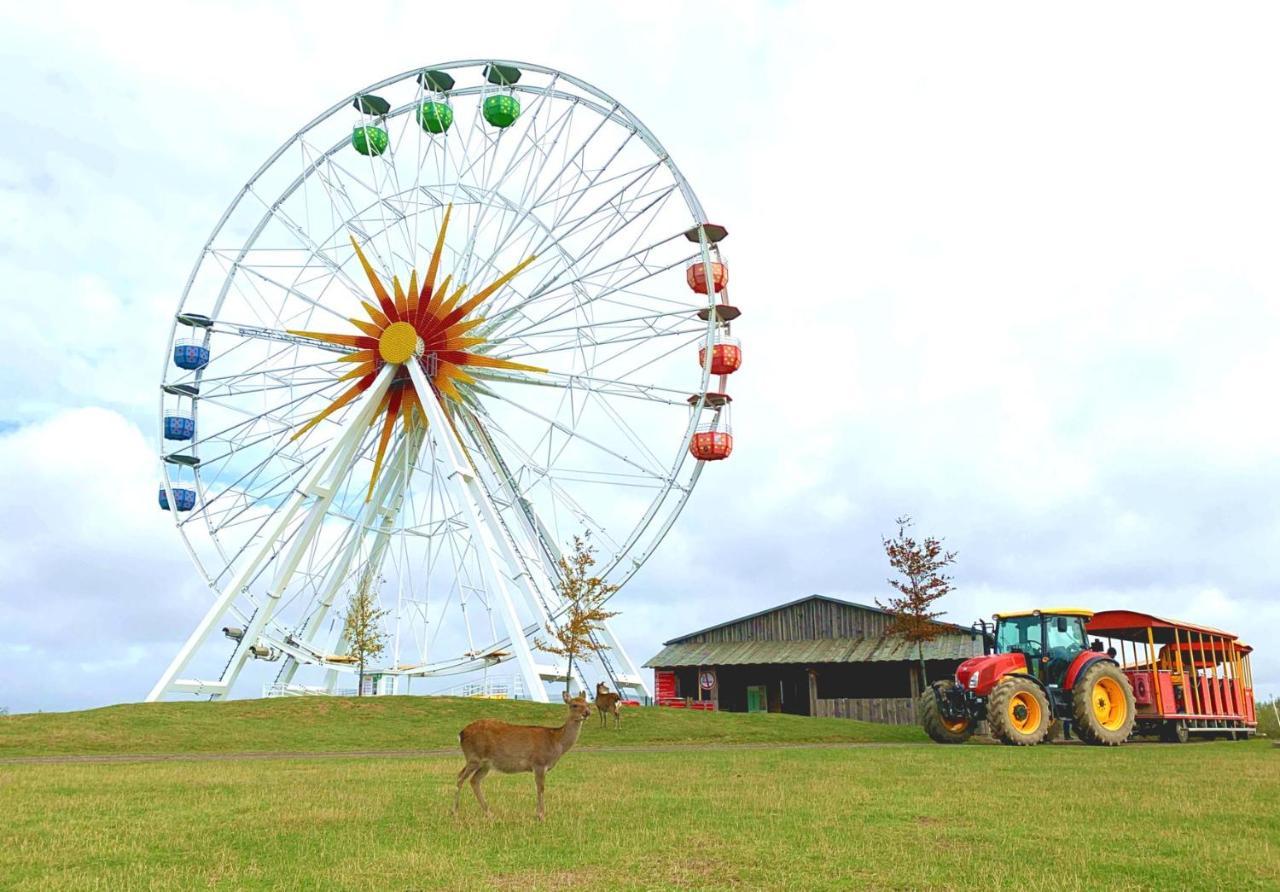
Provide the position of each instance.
(564, 695)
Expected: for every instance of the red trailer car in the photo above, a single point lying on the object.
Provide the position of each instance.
(1186, 679)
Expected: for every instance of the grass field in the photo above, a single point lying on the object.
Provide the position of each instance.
(909, 816)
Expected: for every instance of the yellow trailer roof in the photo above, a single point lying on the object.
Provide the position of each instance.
(1049, 611)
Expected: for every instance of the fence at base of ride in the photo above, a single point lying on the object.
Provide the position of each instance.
(1185, 678)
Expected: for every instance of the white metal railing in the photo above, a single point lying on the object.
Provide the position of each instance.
(280, 689)
(490, 688)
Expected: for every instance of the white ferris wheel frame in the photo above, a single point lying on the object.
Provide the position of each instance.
(507, 552)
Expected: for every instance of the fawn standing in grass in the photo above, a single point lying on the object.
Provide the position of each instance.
(489, 743)
(606, 704)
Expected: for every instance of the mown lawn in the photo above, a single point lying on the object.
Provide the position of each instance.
(333, 724)
(1199, 816)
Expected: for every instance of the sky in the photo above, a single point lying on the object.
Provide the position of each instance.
(1009, 269)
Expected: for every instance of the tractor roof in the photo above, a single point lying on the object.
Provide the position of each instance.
(1048, 611)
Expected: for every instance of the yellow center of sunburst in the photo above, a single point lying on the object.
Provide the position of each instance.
(399, 342)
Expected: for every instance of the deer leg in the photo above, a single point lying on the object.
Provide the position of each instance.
(475, 788)
(466, 772)
(540, 778)
(617, 717)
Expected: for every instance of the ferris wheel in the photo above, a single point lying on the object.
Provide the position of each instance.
(461, 317)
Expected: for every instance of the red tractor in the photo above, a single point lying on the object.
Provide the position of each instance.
(1039, 668)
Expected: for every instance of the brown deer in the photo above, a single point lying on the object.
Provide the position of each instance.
(607, 704)
(489, 744)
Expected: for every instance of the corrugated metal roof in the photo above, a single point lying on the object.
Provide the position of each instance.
(781, 607)
(826, 650)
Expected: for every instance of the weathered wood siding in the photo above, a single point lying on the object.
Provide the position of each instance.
(802, 622)
(888, 711)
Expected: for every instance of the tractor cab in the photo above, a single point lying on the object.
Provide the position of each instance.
(1049, 640)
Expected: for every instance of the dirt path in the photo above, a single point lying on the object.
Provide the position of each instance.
(109, 758)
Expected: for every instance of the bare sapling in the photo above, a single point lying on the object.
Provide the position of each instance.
(923, 583)
(607, 704)
(489, 744)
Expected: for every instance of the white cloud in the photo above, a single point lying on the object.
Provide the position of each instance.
(96, 585)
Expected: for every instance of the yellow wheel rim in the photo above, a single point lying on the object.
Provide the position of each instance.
(956, 727)
(1024, 712)
(1109, 707)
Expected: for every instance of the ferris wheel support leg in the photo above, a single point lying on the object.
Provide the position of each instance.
(376, 556)
(475, 499)
(345, 444)
(390, 491)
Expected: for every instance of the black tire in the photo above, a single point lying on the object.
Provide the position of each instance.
(1105, 683)
(932, 720)
(1175, 732)
(1018, 711)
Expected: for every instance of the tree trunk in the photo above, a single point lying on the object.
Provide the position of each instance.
(924, 674)
(360, 681)
(568, 682)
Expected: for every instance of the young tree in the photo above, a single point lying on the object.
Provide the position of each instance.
(363, 630)
(585, 594)
(922, 584)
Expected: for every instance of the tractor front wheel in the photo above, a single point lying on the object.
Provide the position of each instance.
(1018, 711)
(935, 724)
(1102, 705)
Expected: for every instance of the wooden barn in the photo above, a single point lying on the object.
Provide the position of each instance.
(817, 656)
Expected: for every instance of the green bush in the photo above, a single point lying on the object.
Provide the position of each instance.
(1268, 724)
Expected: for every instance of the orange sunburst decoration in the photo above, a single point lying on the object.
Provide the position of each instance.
(413, 326)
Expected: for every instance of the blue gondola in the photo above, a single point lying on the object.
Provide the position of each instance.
(179, 427)
(186, 498)
(190, 355)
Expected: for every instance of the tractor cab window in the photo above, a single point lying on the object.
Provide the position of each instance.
(1020, 633)
(1066, 636)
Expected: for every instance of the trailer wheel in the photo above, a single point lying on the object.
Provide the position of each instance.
(1018, 711)
(1102, 705)
(1175, 732)
(935, 724)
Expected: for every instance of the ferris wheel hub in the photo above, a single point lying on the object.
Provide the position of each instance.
(399, 342)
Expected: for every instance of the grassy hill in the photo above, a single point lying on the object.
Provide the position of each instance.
(346, 724)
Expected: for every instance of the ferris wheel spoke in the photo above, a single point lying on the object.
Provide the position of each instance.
(540, 288)
(305, 298)
(555, 131)
(317, 252)
(578, 436)
(646, 392)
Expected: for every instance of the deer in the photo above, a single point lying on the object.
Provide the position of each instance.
(607, 704)
(490, 743)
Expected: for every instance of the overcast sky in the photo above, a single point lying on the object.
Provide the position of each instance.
(1011, 270)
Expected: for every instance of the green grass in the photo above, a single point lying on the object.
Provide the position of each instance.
(1199, 816)
(330, 724)
(1205, 815)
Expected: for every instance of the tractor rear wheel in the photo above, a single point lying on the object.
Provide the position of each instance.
(1018, 711)
(935, 724)
(1102, 705)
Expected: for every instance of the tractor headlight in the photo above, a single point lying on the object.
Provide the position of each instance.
(973, 680)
